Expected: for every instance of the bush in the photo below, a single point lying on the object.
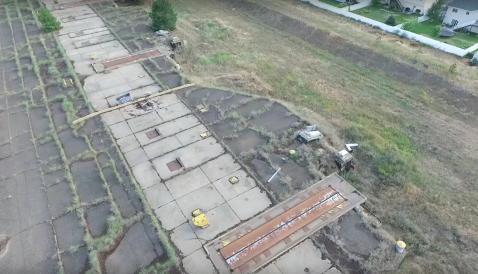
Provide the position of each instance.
(163, 16)
(342, 5)
(376, 3)
(391, 21)
(48, 21)
(436, 30)
(212, 30)
(436, 10)
(410, 25)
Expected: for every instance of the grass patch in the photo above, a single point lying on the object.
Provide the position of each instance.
(219, 58)
(332, 3)
(460, 39)
(212, 30)
(381, 14)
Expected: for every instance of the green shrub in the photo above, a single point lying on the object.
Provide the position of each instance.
(220, 58)
(436, 31)
(391, 21)
(342, 5)
(48, 21)
(212, 30)
(376, 3)
(163, 16)
(410, 25)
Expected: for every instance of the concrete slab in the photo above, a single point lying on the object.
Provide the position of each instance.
(198, 263)
(333, 270)
(191, 135)
(167, 100)
(136, 157)
(191, 156)
(116, 90)
(144, 122)
(128, 143)
(230, 191)
(131, 111)
(162, 147)
(144, 139)
(271, 269)
(170, 216)
(220, 167)
(141, 82)
(99, 104)
(249, 203)
(174, 111)
(221, 219)
(187, 182)
(120, 130)
(178, 125)
(304, 255)
(112, 117)
(205, 198)
(145, 175)
(158, 195)
(185, 239)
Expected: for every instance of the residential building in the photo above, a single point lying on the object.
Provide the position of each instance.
(462, 14)
(415, 6)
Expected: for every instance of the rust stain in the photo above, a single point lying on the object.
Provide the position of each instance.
(261, 239)
(131, 58)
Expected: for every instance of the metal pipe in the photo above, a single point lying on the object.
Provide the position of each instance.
(273, 175)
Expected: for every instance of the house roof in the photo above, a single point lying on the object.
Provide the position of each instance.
(465, 4)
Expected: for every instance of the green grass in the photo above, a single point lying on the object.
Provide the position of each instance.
(212, 30)
(381, 14)
(331, 2)
(219, 58)
(461, 40)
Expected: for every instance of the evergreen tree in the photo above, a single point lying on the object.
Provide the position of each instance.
(435, 10)
(391, 21)
(163, 16)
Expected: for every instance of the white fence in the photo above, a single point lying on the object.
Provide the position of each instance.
(393, 29)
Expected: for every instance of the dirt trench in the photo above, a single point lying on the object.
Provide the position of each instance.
(438, 86)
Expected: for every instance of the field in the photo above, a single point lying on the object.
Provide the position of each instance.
(415, 123)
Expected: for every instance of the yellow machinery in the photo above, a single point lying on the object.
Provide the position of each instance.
(199, 219)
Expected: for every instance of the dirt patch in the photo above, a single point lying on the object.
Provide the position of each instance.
(163, 63)
(276, 120)
(246, 140)
(211, 115)
(296, 175)
(170, 80)
(225, 128)
(206, 95)
(247, 110)
(234, 101)
(357, 238)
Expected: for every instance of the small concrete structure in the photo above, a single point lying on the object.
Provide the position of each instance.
(298, 217)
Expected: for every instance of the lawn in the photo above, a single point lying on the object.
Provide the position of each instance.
(381, 14)
(331, 2)
(461, 40)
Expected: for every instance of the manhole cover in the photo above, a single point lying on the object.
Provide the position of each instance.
(153, 134)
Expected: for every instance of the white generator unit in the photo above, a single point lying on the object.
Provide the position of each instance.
(309, 134)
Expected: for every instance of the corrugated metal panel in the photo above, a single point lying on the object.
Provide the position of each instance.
(274, 231)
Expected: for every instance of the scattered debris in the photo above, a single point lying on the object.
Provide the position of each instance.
(273, 175)
(162, 33)
(233, 180)
(123, 99)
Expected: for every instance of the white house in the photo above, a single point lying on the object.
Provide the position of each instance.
(462, 13)
(416, 6)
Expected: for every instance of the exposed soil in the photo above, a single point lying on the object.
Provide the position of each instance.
(246, 140)
(275, 120)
